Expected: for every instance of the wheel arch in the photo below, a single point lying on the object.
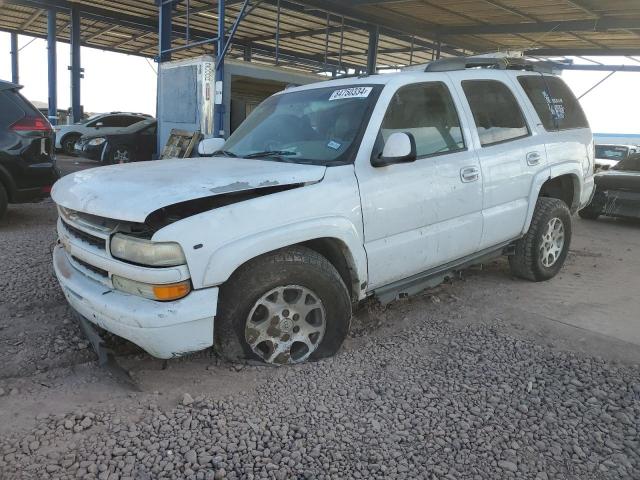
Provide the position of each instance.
(562, 182)
(337, 240)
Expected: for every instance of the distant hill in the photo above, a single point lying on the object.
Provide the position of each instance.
(617, 138)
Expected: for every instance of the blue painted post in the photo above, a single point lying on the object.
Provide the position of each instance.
(15, 76)
(76, 70)
(165, 25)
(218, 116)
(372, 52)
(52, 66)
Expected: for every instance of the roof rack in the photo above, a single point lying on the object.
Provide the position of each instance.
(497, 63)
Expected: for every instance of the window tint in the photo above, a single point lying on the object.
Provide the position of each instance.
(427, 111)
(495, 111)
(10, 112)
(554, 102)
(631, 164)
(126, 120)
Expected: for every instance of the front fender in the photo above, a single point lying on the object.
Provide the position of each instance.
(227, 258)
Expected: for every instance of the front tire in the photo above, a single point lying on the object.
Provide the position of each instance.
(540, 254)
(283, 307)
(69, 143)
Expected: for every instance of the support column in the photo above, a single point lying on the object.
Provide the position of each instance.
(372, 52)
(15, 75)
(76, 69)
(52, 63)
(165, 26)
(218, 115)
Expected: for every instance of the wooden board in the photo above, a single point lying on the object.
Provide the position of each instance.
(180, 144)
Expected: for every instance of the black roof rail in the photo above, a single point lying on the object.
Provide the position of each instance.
(498, 63)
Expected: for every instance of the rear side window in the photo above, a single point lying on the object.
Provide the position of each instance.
(10, 111)
(496, 111)
(554, 102)
(427, 111)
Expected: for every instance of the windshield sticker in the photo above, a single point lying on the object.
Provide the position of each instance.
(334, 145)
(353, 92)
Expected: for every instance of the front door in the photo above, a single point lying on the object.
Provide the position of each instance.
(426, 213)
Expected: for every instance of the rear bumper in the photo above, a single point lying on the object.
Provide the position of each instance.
(163, 329)
(614, 203)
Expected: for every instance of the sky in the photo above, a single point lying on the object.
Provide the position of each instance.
(114, 81)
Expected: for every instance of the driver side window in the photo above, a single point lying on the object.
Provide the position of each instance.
(427, 111)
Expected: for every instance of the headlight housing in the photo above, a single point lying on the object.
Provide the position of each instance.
(145, 252)
(97, 141)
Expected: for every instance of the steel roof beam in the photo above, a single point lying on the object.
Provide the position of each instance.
(34, 16)
(589, 52)
(600, 25)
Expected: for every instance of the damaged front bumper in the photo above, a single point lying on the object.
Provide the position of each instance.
(163, 329)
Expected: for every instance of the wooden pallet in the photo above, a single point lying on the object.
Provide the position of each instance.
(180, 144)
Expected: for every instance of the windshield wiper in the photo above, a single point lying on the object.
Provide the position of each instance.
(271, 153)
(226, 153)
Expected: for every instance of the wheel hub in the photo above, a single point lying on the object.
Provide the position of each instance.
(286, 325)
(552, 242)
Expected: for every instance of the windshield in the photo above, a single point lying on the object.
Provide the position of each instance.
(611, 152)
(319, 126)
(88, 119)
(631, 164)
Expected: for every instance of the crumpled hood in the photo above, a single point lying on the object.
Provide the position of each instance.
(132, 191)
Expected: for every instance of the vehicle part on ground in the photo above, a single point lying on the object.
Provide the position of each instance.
(121, 154)
(69, 143)
(540, 254)
(284, 307)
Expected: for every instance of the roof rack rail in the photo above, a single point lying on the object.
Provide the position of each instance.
(497, 63)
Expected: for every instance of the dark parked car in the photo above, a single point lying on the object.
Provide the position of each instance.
(27, 160)
(130, 144)
(617, 191)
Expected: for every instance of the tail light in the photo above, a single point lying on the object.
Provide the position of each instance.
(46, 189)
(31, 124)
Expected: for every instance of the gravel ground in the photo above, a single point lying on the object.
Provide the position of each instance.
(478, 379)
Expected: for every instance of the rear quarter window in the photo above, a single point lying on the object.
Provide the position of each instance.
(554, 102)
(10, 110)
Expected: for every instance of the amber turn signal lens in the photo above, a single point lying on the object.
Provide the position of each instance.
(172, 291)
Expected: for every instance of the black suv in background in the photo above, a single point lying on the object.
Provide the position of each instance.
(27, 162)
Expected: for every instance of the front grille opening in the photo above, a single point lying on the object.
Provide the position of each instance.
(86, 237)
(92, 268)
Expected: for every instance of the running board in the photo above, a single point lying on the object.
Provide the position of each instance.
(435, 276)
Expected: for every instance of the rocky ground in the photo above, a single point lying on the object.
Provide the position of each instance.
(481, 378)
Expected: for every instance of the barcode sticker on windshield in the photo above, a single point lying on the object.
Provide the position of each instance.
(353, 92)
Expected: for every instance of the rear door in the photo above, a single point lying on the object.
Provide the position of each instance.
(509, 152)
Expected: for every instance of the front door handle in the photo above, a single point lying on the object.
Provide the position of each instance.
(469, 174)
(533, 158)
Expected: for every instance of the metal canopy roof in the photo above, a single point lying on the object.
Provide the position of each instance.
(315, 34)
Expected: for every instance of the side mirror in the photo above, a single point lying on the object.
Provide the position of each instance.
(99, 124)
(400, 147)
(208, 146)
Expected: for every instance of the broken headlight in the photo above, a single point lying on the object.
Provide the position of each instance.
(145, 252)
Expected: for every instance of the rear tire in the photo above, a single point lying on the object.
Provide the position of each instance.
(69, 143)
(541, 253)
(4, 201)
(283, 307)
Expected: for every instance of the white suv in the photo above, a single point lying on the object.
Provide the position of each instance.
(326, 195)
(68, 135)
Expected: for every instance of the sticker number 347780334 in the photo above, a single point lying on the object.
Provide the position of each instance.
(353, 92)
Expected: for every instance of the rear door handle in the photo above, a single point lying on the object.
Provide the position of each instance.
(469, 174)
(533, 158)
